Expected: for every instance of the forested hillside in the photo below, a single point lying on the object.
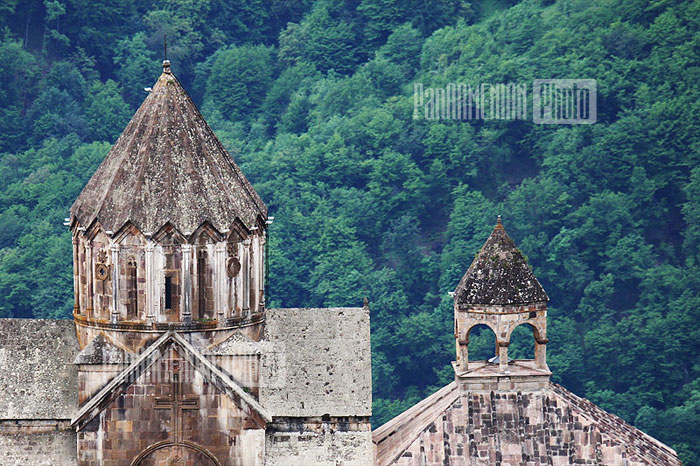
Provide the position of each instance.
(314, 101)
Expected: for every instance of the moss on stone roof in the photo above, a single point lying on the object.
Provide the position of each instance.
(499, 275)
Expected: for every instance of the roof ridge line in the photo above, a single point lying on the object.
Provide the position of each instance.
(443, 398)
(569, 395)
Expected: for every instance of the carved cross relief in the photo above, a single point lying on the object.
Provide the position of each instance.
(177, 402)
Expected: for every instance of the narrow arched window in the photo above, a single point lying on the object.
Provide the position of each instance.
(168, 293)
(132, 290)
(253, 281)
(202, 288)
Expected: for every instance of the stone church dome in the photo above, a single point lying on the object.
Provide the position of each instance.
(168, 167)
(168, 232)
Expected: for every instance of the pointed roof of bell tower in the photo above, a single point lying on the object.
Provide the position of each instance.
(168, 167)
(499, 275)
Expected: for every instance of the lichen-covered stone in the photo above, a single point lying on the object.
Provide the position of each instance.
(316, 383)
(499, 275)
(236, 344)
(102, 351)
(37, 376)
(319, 364)
(324, 444)
(45, 448)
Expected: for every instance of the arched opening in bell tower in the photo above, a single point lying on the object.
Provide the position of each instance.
(522, 342)
(482, 343)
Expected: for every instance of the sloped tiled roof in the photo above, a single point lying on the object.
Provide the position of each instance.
(168, 167)
(550, 426)
(393, 438)
(499, 275)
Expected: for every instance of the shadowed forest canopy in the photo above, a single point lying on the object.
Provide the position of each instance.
(314, 101)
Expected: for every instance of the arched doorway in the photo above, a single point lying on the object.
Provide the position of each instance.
(175, 454)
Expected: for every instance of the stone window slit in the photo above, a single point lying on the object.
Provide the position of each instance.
(168, 292)
(132, 294)
(202, 283)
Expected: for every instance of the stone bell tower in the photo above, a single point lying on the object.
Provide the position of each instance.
(500, 291)
(507, 411)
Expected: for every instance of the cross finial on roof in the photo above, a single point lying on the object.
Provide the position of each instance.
(166, 62)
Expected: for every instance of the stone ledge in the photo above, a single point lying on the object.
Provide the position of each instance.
(35, 426)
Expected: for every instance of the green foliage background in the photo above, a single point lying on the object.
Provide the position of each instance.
(314, 101)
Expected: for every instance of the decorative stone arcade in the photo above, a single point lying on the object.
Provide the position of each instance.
(500, 291)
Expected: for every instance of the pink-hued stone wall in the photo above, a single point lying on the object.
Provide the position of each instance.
(550, 426)
(206, 423)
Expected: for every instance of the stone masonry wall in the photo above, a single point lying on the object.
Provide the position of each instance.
(43, 448)
(144, 415)
(542, 427)
(319, 448)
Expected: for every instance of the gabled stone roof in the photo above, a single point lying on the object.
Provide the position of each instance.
(549, 426)
(168, 167)
(37, 377)
(499, 275)
(154, 352)
(101, 350)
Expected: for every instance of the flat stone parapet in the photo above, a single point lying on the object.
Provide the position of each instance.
(520, 375)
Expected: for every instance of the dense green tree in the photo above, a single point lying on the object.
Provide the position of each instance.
(106, 112)
(136, 67)
(326, 42)
(314, 101)
(239, 78)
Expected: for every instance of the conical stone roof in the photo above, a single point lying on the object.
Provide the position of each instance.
(499, 275)
(168, 167)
